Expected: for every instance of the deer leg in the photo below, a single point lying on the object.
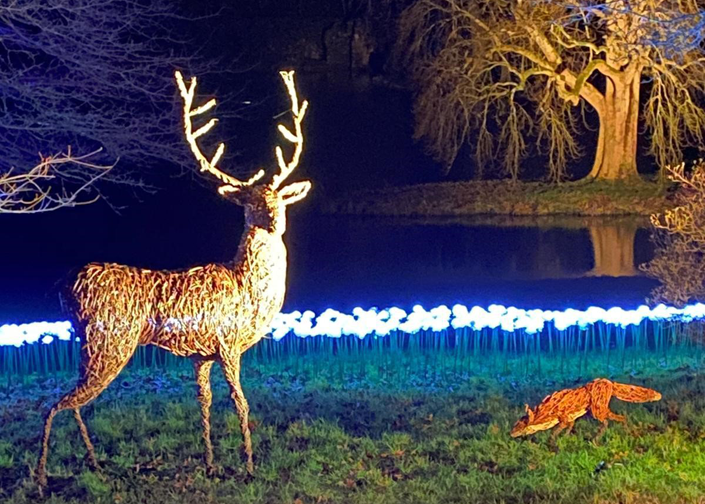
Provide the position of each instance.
(231, 369)
(103, 357)
(41, 465)
(85, 391)
(86, 438)
(205, 399)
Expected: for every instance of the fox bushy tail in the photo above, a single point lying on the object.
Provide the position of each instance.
(634, 393)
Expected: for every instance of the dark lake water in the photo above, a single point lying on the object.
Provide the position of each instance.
(339, 262)
(527, 262)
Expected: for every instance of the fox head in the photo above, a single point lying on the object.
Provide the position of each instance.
(524, 425)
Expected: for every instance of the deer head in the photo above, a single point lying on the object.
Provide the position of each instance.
(264, 202)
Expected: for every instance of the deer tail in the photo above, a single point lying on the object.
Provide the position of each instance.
(634, 393)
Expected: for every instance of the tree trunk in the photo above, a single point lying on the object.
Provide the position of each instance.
(616, 146)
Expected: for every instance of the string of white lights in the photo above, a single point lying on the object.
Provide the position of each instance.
(373, 321)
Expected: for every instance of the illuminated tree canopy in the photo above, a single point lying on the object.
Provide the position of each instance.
(506, 73)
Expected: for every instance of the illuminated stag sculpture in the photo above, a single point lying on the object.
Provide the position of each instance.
(209, 313)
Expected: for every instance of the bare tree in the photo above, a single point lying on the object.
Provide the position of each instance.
(520, 71)
(687, 217)
(679, 236)
(680, 269)
(92, 74)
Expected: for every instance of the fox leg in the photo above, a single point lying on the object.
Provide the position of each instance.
(608, 415)
(617, 418)
(557, 430)
(570, 427)
(563, 424)
(600, 432)
(600, 408)
(603, 414)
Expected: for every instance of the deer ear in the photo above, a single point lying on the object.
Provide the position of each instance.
(294, 192)
(529, 412)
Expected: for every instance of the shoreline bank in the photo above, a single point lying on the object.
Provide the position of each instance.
(505, 198)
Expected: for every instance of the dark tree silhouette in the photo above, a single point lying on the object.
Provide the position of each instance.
(87, 77)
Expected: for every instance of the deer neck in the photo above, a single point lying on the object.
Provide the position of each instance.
(261, 261)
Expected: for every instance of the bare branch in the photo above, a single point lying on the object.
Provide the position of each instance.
(688, 217)
(679, 261)
(94, 74)
(46, 187)
(680, 269)
(673, 112)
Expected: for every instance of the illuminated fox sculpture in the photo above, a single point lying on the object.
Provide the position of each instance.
(562, 408)
(209, 313)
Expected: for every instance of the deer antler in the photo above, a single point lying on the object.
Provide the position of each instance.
(187, 94)
(297, 138)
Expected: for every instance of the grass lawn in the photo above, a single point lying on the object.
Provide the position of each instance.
(322, 436)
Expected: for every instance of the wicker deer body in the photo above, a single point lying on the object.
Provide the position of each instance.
(209, 313)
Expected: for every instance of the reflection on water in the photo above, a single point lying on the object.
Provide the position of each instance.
(494, 247)
(342, 262)
(613, 248)
(544, 262)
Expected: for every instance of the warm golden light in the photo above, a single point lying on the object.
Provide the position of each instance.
(210, 313)
(564, 407)
(297, 137)
(187, 95)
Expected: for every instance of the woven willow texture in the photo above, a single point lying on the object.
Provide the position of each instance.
(209, 313)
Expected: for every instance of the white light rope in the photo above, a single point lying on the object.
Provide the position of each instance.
(373, 321)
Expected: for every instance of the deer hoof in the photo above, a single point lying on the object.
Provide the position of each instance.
(92, 463)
